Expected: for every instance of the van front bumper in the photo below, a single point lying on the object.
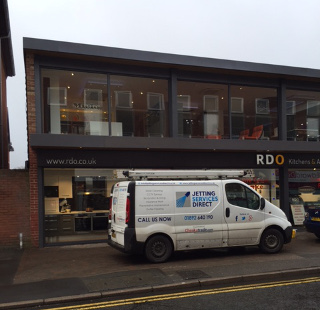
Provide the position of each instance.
(288, 234)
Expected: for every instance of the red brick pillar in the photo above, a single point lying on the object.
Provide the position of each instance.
(33, 162)
(15, 210)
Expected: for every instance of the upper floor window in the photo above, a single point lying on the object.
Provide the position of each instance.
(254, 112)
(74, 102)
(140, 105)
(303, 114)
(202, 110)
(77, 103)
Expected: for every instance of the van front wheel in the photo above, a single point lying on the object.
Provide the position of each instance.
(271, 241)
(158, 249)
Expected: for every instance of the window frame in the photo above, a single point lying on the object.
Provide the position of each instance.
(129, 106)
(241, 101)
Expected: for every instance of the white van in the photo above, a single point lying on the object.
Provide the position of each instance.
(192, 210)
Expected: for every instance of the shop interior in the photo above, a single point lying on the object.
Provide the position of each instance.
(76, 204)
(76, 201)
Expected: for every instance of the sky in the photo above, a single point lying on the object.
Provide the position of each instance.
(281, 32)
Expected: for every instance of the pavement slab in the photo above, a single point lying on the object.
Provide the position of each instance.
(66, 273)
(126, 279)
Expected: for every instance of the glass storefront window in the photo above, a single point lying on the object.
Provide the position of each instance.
(303, 113)
(76, 201)
(254, 113)
(304, 187)
(265, 182)
(76, 204)
(74, 102)
(140, 105)
(202, 110)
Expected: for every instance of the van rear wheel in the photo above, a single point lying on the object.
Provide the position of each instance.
(271, 241)
(158, 249)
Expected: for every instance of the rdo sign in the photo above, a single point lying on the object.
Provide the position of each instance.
(269, 159)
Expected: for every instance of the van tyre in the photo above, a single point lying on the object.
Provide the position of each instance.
(158, 249)
(271, 241)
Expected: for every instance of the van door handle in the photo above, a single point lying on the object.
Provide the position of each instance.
(227, 212)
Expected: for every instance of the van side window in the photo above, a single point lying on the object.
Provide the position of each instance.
(241, 196)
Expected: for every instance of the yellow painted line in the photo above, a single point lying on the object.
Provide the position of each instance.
(140, 300)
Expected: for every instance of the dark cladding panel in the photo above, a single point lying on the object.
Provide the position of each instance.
(143, 159)
(173, 159)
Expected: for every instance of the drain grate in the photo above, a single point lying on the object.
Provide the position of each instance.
(192, 274)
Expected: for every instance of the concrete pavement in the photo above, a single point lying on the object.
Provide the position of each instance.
(33, 277)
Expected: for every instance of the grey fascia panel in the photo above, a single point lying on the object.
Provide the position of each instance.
(164, 58)
(176, 144)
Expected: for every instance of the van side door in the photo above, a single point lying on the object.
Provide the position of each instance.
(245, 220)
(199, 220)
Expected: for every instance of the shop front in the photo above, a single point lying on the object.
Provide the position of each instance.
(75, 186)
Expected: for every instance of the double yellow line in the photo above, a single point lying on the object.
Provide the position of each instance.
(140, 300)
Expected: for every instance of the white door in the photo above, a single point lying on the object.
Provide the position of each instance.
(243, 216)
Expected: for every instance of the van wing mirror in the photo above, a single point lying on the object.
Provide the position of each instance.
(262, 203)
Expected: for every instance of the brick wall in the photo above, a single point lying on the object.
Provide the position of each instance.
(14, 208)
(32, 156)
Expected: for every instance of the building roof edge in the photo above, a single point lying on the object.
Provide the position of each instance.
(164, 58)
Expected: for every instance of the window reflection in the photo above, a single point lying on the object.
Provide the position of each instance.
(202, 110)
(77, 103)
(76, 204)
(74, 102)
(303, 112)
(254, 112)
(140, 105)
(304, 188)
